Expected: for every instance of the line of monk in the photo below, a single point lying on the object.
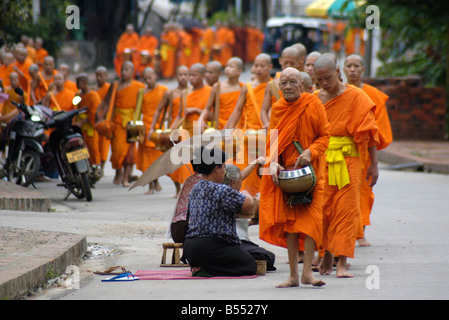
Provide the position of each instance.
(340, 127)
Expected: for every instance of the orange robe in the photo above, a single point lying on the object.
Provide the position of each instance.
(41, 54)
(64, 99)
(350, 115)
(5, 71)
(385, 138)
(251, 121)
(195, 56)
(125, 104)
(41, 90)
(126, 41)
(255, 41)
(150, 44)
(91, 100)
(185, 48)
(168, 54)
(71, 85)
(13, 96)
(227, 104)
(196, 99)
(104, 143)
(207, 41)
(23, 67)
(304, 121)
(146, 152)
(225, 38)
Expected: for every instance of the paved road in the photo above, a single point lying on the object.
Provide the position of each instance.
(407, 258)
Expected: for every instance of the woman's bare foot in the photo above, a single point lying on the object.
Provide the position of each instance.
(291, 282)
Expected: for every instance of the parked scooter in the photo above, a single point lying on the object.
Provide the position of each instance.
(25, 134)
(71, 154)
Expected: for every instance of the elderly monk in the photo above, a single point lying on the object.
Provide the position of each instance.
(59, 98)
(249, 105)
(354, 68)
(228, 92)
(126, 48)
(86, 121)
(146, 152)
(354, 136)
(172, 101)
(296, 117)
(102, 87)
(308, 67)
(213, 72)
(122, 152)
(290, 58)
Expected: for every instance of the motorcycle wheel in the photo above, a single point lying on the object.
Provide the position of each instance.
(85, 186)
(30, 165)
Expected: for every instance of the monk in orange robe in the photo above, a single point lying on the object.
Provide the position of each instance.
(228, 91)
(86, 121)
(249, 105)
(196, 99)
(296, 117)
(146, 152)
(255, 41)
(68, 84)
(169, 48)
(126, 48)
(21, 65)
(8, 110)
(62, 97)
(102, 88)
(41, 52)
(207, 42)
(185, 47)
(290, 58)
(172, 101)
(354, 136)
(148, 44)
(41, 86)
(195, 56)
(308, 66)
(123, 153)
(354, 68)
(224, 39)
(6, 68)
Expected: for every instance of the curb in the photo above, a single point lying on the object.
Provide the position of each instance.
(396, 158)
(14, 197)
(43, 256)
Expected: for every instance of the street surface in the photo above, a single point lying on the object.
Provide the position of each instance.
(406, 260)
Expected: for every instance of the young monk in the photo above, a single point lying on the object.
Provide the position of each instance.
(86, 121)
(229, 92)
(129, 40)
(69, 84)
(9, 110)
(42, 84)
(41, 52)
(308, 82)
(213, 72)
(354, 68)
(104, 144)
(290, 58)
(297, 117)
(302, 55)
(354, 136)
(146, 152)
(6, 66)
(172, 101)
(169, 47)
(122, 152)
(21, 65)
(62, 97)
(249, 105)
(308, 67)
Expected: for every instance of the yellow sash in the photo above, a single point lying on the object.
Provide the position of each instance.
(127, 115)
(86, 127)
(339, 148)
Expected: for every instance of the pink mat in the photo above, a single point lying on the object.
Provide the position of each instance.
(183, 274)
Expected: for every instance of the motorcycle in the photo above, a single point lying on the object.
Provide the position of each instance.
(71, 154)
(25, 133)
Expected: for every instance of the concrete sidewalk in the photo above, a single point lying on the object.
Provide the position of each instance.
(29, 258)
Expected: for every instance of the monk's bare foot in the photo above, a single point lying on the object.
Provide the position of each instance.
(343, 273)
(326, 265)
(301, 257)
(291, 282)
(316, 261)
(363, 243)
(310, 279)
(157, 187)
(118, 179)
(126, 184)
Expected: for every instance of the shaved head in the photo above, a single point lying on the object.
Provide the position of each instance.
(308, 82)
(148, 70)
(325, 62)
(264, 57)
(356, 57)
(199, 68)
(239, 62)
(301, 49)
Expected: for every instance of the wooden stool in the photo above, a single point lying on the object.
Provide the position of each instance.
(176, 257)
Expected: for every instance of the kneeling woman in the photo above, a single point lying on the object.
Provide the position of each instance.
(212, 246)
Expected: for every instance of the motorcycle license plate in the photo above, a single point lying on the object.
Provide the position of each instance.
(81, 154)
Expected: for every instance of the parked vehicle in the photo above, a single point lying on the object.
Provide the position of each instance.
(24, 136)
(282, 32)
(71, 155)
